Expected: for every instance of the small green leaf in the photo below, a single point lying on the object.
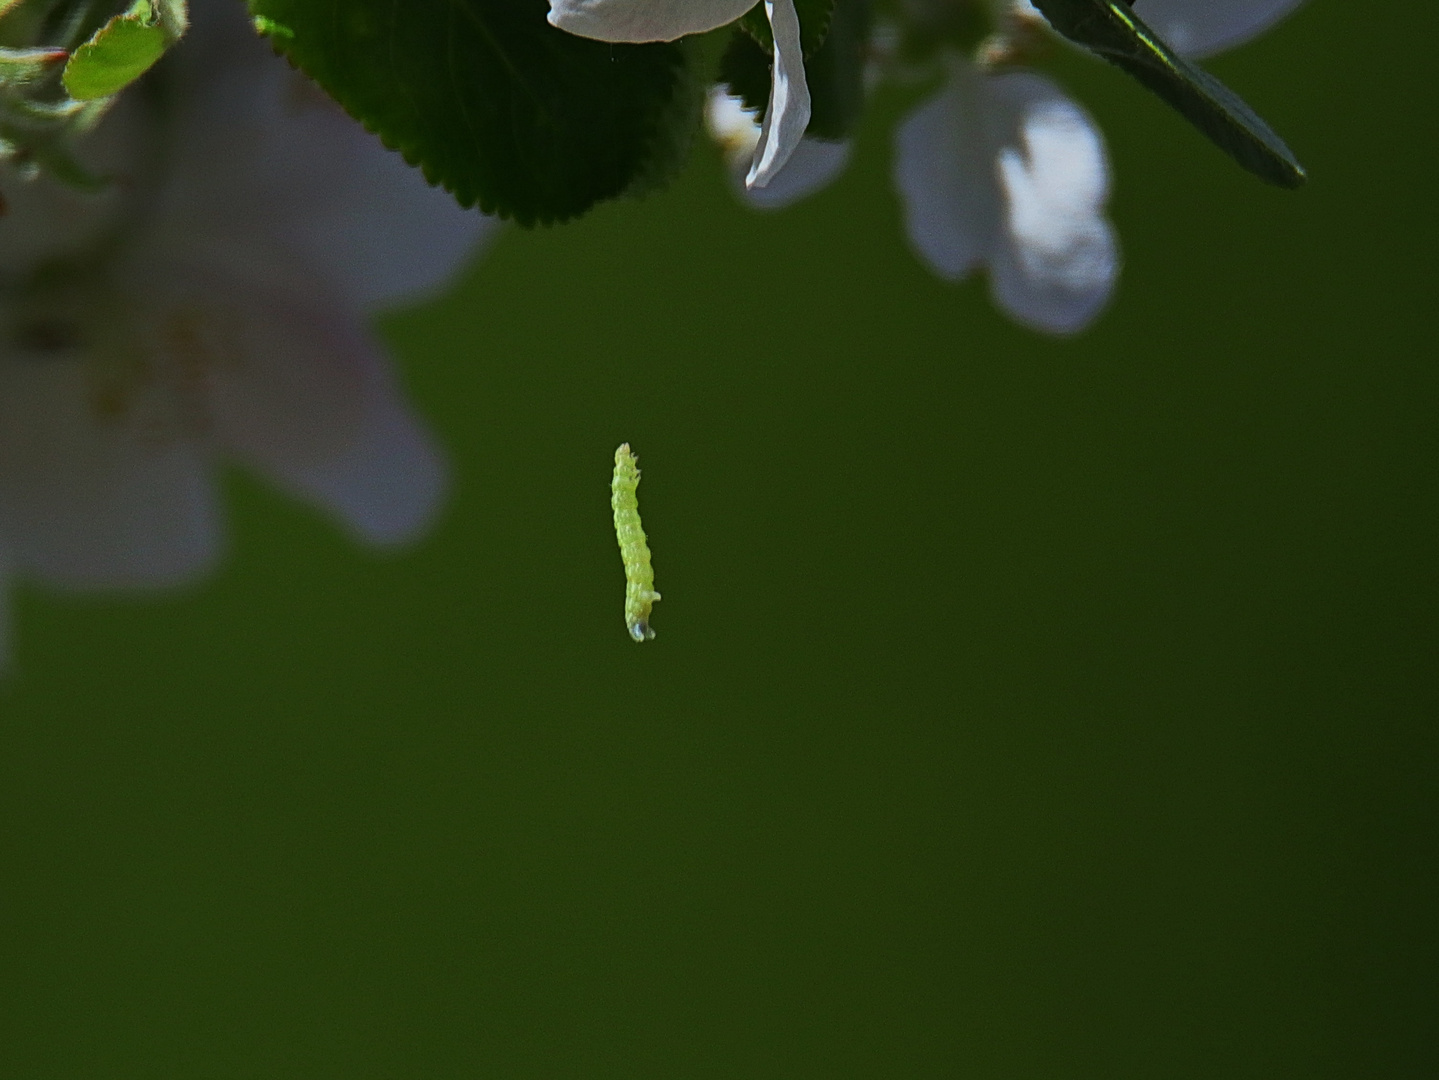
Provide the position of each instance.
(489, 100)
(835, 73)
(1111, 29)
(122, 50)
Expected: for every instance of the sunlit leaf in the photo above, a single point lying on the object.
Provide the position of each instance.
(123, 49)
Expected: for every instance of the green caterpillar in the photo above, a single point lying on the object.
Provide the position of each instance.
(640, 592)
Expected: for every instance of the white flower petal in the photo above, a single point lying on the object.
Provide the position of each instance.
(943, 170)
(644, 20)
(1005, 170)
(731, 125)
(814, 165)
(298, 389)
(260, 148)
(390, 482)
(100, 485)
(789, 103)
(386, 236)
(1201, 27)
(1056, 259)
(350, 205)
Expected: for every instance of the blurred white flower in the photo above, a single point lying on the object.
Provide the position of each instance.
(665, 20)
(1001, 170)
(1203, 27)
(211, 303)
(1004, 171)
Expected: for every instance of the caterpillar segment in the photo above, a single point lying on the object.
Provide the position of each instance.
(640, 592)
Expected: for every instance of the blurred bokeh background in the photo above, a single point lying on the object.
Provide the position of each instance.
(1020, 707)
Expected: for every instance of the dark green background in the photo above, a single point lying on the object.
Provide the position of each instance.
(1019, 708)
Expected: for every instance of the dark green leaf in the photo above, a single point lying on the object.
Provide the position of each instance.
(491, 101)
(677, 127)
(1111, 29)
(745, 71)
(814, 16)
(835, 73)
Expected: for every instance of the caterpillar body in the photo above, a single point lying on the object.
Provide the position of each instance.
(640, 592)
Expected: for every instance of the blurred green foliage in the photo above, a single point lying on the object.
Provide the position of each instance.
(1022, 708)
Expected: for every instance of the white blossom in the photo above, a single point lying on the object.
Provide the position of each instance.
(1004, 171)
(1202, 27)
(665, 20)
(212, 303)
(1000, 170)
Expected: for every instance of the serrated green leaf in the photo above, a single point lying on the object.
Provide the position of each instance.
(676, 129)
(1110, 29)
(488, 99)
(119, 53)
(835, 73)
(814, 17)
(745, 71)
